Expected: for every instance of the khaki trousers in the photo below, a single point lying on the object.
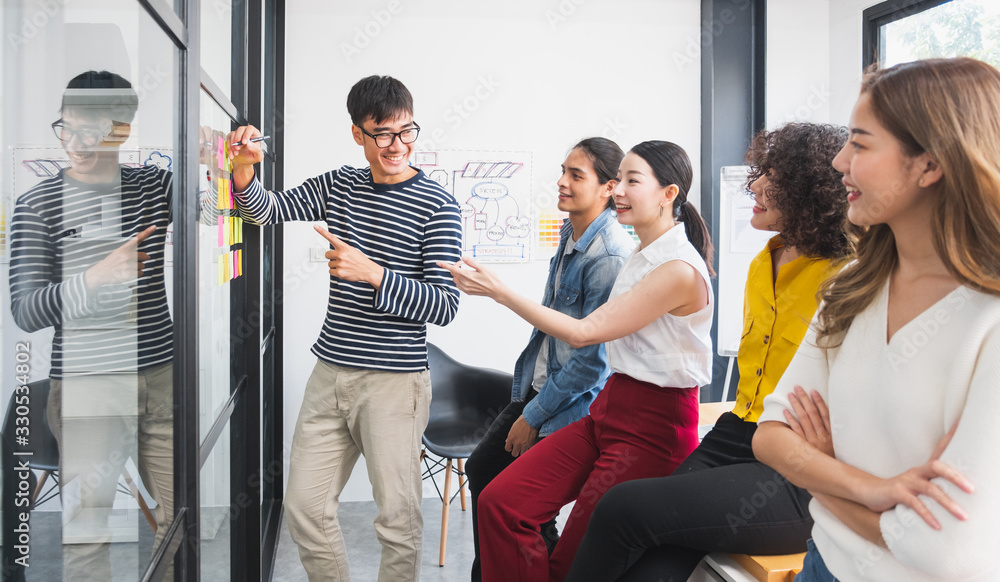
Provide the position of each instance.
(347, 412)
(99, 422)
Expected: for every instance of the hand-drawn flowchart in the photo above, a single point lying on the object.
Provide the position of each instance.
(493, 190)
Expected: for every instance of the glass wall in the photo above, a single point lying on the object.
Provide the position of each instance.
(90, 125)
(130, 297)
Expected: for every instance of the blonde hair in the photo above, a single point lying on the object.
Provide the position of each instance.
(949, 108)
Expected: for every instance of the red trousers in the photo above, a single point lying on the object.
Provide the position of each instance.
(635, 430)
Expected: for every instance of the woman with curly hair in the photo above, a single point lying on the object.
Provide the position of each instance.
(903, 464)
(720, 498)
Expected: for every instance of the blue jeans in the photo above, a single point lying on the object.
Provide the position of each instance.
(813, 567)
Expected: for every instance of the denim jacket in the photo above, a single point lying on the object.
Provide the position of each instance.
(574, 376)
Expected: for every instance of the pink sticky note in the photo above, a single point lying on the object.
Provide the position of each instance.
(222, 153)
(221, 219)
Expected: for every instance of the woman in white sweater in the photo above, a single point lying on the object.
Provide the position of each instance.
(887, 413)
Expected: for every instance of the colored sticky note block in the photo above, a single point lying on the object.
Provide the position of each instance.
(222, 153)
(221, 219)
(222, 272)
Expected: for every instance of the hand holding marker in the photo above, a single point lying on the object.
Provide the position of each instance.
(253, 139)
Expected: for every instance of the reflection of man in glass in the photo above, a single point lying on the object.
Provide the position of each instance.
(87, 259)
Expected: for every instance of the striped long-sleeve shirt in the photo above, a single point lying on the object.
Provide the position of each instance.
(404, 228)
(63, 227)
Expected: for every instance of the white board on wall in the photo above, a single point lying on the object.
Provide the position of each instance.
(739, 243)
(493, 191)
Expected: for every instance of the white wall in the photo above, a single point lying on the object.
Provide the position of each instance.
(845, 55)
(547, 74)
(813, 59)
(797, 67)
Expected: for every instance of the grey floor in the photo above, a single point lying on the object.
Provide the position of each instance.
(363, 549)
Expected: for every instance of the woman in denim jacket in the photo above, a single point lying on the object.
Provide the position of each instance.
(554, 384)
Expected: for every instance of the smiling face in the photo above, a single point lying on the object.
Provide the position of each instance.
(580, 190)
(390, 165)
(92, 163)
(884, 184)
(766, 215)
(638, 194)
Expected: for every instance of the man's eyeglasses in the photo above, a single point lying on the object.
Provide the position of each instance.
(384, 140)
(89, 136)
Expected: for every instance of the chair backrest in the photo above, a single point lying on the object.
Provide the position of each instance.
(463, 393)
(41, 442)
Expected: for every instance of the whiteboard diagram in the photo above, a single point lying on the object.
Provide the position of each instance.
(493, 190)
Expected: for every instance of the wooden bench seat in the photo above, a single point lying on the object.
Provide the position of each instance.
(737, 567)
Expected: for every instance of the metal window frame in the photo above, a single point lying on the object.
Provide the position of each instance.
(875, 17)
(732, 111)
(240, 414)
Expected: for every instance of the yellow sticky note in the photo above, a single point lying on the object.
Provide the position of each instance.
(226, 263)
(219, 201)
(222, 272)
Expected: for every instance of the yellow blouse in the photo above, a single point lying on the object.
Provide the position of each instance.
(775, 319)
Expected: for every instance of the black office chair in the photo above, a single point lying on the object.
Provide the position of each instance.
(44, 447)
(465, 400)
(41, 443)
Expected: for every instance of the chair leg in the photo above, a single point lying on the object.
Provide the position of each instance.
(461, 482)
(444, 512)
(38, 488)
(138, 497)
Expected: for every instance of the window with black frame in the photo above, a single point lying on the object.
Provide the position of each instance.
(903, 31)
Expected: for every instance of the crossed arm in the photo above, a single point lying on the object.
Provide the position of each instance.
(802, 451)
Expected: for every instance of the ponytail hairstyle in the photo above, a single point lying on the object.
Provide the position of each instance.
(606, 156)
(672, 166)
(949, 108)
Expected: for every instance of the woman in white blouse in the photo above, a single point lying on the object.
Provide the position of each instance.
(644, 422)
(887, 413)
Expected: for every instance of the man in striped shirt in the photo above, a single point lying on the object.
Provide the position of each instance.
(369, 393)
(87, 260)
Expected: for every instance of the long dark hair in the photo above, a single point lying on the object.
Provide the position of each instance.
(606, 156)
(671, 165)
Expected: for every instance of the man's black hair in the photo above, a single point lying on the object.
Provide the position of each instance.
(102, 91)
(379, 97)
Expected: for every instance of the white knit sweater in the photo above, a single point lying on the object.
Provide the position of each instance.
(889, 405)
